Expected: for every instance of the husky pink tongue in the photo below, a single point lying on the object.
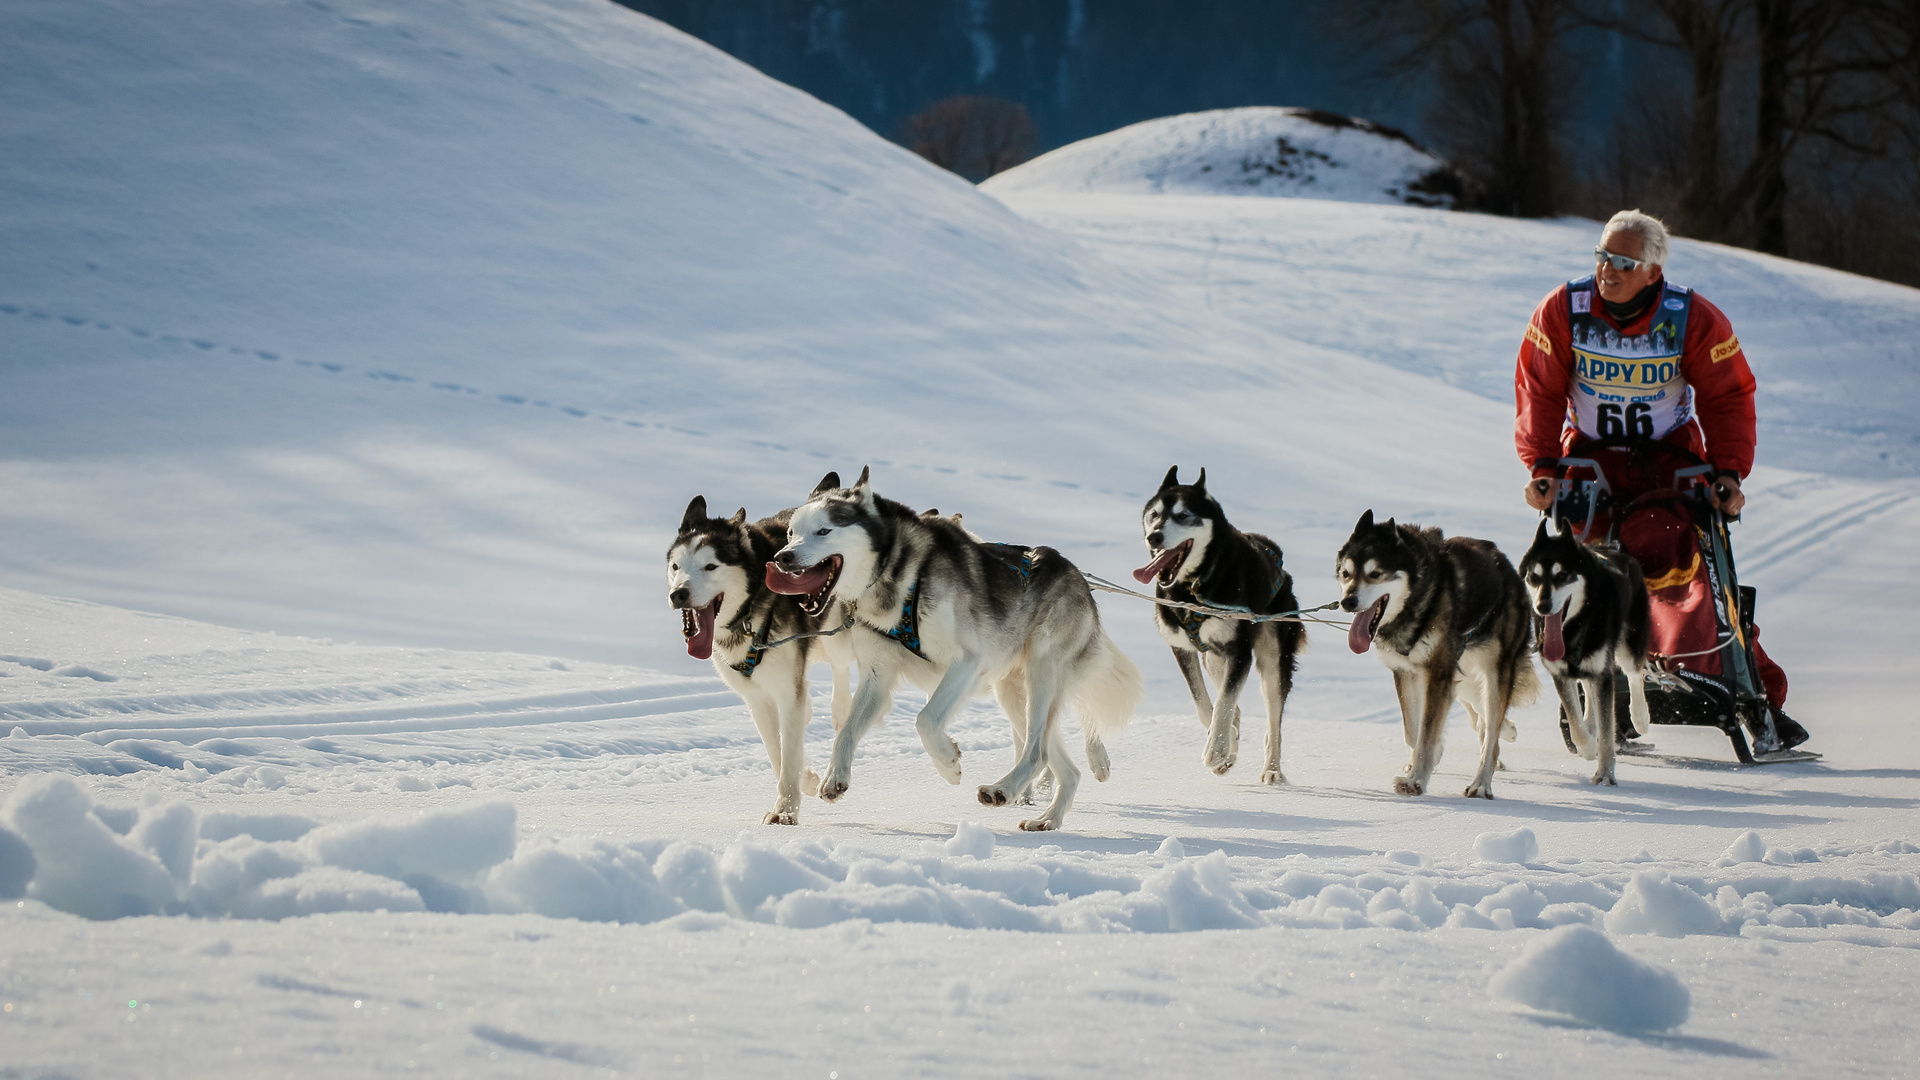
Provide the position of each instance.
(1147, 573)
(800, 584)
(700, 644)
(1552, 645)
(1360, 634)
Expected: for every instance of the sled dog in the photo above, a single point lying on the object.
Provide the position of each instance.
(716, 577)
(1444, 611)
(1197, 557)
(1594, 615)
(957, 617)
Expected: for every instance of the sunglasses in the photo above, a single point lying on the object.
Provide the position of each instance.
(1620, 262)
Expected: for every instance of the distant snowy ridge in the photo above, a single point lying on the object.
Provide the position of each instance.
(1261, 150)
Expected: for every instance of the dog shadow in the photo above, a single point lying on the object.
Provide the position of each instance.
(1698, 1044)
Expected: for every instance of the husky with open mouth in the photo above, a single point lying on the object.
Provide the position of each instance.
(958, 617)
(1198, 558)
(1444, 611)
(1594, 620)
(716, 577)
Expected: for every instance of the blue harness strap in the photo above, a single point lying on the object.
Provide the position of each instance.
(1192, 621)
(756, 652)
(907, 630)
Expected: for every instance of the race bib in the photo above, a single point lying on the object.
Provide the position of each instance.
(1629, 385)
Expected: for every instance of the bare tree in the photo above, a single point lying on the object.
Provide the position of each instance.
(1496, 64)
(972, 134)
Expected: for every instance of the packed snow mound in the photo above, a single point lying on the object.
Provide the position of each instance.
(1578, 971)
(1262, 150)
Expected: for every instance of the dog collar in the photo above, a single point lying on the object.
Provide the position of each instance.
(757, 651)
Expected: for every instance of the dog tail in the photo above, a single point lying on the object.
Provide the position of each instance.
(1109, 690)
(1526, 682)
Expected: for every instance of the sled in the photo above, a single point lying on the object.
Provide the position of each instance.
(1649, 498)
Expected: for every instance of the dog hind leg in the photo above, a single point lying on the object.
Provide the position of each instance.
(1275, 683)
(1600, 715)
(1637, 699)
(1043, 701)
(1011, 692)
(1066, 777)
(1488, 683)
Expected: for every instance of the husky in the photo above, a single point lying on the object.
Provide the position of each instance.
(716, 577)
(1594, 620)
(1443, 610)
(957, 617)
(1197, 557)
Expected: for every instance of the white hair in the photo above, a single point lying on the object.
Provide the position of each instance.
(1651, 231)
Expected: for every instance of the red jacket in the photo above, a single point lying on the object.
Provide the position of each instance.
(1711, 361)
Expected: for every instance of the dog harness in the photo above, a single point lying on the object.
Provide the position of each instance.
(907, 630)
(756, 652)
(1628, 384)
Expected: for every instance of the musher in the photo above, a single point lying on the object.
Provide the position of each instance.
(1697, 394)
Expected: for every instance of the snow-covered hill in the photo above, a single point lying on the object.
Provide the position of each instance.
(414, 325)
(1258, 150)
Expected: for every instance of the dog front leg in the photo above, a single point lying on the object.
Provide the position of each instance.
(870, 703)
(954, 687)
(1275, 683)
(1189, 662)
(1487, 686)
(791, 765)
(1434, 689)
(766, 720)
(1223, 735)
(1407, 688)
(1602, 724)
(1568, 687)
(842, 693)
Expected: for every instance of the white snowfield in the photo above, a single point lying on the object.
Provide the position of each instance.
(1262, 150)
(359, 358)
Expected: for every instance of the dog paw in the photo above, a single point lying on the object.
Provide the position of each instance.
(1478, 790)
(832, 787)
(1601, 779)
(1098, 762)
(1407, 785)
(810, 785)
(778, 817)
(1272, 777)
(1037, 825)
(994, 795)
(946, 760)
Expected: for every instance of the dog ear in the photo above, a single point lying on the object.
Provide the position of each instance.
(1565, 526)
(1540, 534)
(956, 518)
(827, 483)
(696, 513)
(739, 518)
(1172, 478)
(1365, 522)
(1200, 484)
(863, 490)
(1395, 530)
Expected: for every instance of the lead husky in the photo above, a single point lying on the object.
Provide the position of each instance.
(1594, 619)
(716, 572)
(1443, 609)
(956, 617)
(1199, 558)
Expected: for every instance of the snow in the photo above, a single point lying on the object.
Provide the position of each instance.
(1263, 150)
(1578, 971)
(360, 357)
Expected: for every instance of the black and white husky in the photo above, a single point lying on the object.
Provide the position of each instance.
(1199, 558)
(716, 577)
(958, 617)
(1594, 620)
(1443, 610)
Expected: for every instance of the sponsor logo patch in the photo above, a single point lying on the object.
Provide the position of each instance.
(1726, 348)
(1539, 339)
(1582, 302)
(1675, 304)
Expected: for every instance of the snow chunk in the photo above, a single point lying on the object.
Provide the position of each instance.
(456, 844)
(753, 875)
(1578, 970)
(16, 865)
(170, 831)
(594, 880)
(1746, 848)
(1660, 905)
(1198, 894)
(971, 838)
(690, 874)
(83, 867)
(1171, 848)
(1515, 847)
(328, 888)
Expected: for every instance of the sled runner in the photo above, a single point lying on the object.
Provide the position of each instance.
(1649, 498)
